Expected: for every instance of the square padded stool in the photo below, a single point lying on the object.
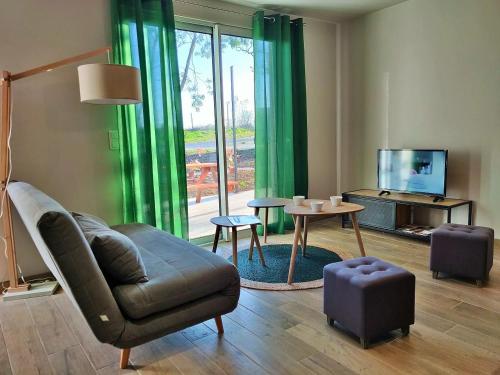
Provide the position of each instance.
(369, 297)
(462, 250)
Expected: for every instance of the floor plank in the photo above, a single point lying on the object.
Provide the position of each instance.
(26, 353)
(228, 357)
(101, 355)
(346, 352)
(321, 364)
(71, 361)
(51, 327)
(4, 356)
(487, 342)
(197, 332)
(272, 358)
(154, 357)
(272, 335)
(194, 362)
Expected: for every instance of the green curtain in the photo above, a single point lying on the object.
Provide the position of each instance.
(151, 133)
(280, 112)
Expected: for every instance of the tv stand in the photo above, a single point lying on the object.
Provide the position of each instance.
(384, 192)
(393, 213)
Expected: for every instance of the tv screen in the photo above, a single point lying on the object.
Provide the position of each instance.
(413, 171)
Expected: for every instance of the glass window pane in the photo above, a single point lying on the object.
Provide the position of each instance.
(238, 94)
(194, 51)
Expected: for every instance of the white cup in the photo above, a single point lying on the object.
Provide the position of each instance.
(316, 206)
(298, 200)
(336, 200)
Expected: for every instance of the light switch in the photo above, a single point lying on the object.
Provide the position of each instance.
(114, 140)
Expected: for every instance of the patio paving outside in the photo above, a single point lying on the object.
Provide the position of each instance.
(201, 213)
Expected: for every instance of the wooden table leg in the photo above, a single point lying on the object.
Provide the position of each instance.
(300, 236)
(216, 238)
(250, 251)
(298, 224)
(234, 240)
(304, 245)
(266, 220)
(257, 243)
(358, 234)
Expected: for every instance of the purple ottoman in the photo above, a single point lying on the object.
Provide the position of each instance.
(369, 297)
(462, 250)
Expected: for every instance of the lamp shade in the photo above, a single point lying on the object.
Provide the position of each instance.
(109, 84)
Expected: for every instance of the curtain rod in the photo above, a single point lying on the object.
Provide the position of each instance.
(222, 9)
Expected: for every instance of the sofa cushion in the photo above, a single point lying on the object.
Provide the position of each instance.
(90, 216)
(116, 254)
(178, 271)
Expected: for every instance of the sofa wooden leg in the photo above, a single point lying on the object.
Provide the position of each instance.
(218, 323)
(479, 283)
(435, 274)
(124, 356)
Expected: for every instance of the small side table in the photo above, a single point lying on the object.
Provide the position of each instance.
(223, 221)
(266, 203)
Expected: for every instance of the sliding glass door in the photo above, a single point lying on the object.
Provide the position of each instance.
(216, 76)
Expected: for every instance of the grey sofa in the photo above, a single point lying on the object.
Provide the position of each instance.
(187, 285)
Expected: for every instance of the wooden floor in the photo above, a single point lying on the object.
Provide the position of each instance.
(457, 329)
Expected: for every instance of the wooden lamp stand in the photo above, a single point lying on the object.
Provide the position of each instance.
(6, 79)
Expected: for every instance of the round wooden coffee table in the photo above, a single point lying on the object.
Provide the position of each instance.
(234, 222)
(301, 213)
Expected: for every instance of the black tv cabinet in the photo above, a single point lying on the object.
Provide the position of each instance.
(392, 213)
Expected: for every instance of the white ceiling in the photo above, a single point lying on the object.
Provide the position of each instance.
(331, 10)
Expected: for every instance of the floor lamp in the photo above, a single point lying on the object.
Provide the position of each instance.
(99, 84)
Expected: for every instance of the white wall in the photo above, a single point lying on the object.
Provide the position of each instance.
(320, 55)
(61, 146)
(426, 74)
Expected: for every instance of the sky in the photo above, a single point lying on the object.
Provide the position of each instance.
(243, 82)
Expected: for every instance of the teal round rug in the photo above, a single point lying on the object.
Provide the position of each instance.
(308, 270)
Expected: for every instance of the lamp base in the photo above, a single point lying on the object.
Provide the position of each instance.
(36, 290)
(19, 288)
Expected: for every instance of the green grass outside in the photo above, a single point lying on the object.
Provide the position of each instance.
(193, 136)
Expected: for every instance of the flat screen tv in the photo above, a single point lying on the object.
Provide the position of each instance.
(413, 171)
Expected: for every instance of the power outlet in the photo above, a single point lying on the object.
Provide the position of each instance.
(114, 140)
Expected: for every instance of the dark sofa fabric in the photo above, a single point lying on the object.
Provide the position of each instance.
(176, 269)
(66, 252)
(116, 254)
(462, 250)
